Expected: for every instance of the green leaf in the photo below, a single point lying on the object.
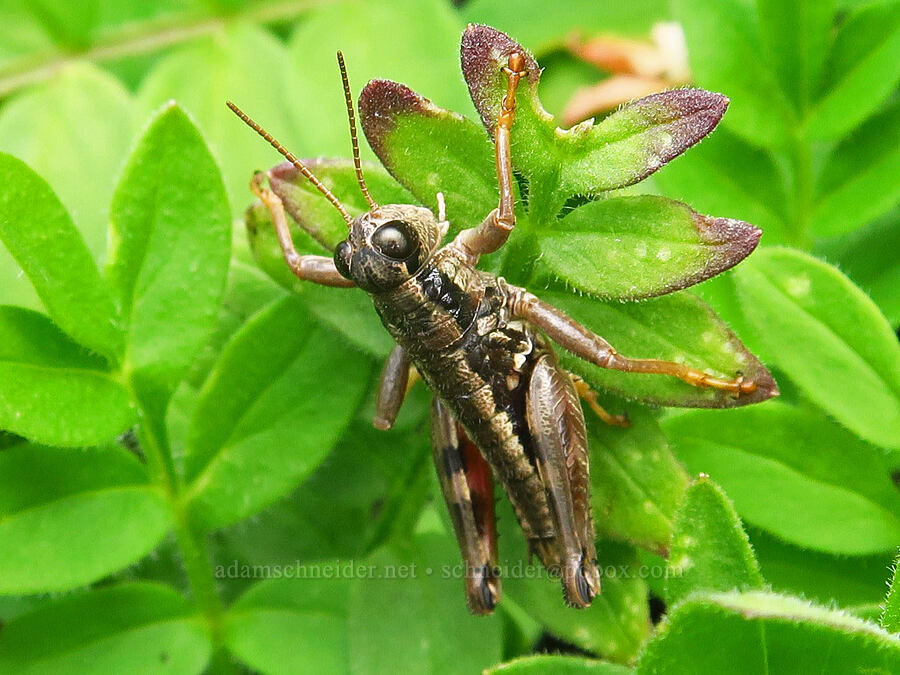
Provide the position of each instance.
(677, 327)
(38, 232)
(430, 150)
(890, 617)
(826, 490)
(636, 482)
(796, 35)
(726, 54)
(828, 337)
(861, 179)
(242, 63)
(423, 588)
(142, 627)
(710, 180)
(863, 70)
(294, 625)
(73, 131)
(867, 257)
(636, 247)
(765, 632)
(272, 408)
(557, 664)
(315, 215)
(624, 148)
(377, 40)
(349, 312)
(55, 505)
(710, 550)
(170, 247)
(53, 390)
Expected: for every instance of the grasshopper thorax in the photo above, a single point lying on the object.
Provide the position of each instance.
(388, 245)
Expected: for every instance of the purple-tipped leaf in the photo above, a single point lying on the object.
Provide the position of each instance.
(624, 148)
(430, 150)
(628, 248)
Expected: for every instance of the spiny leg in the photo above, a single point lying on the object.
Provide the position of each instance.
(316, 268)
(557, 428)
(392, 388)
(590, 396)
(493, 232)
(465, 479)
(574, 337)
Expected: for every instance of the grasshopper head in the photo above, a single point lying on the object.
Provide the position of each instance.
(387, 246)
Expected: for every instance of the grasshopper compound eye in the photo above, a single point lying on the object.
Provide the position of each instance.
(396, 240)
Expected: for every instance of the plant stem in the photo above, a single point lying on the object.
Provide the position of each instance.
(192, 543)
(146, 37)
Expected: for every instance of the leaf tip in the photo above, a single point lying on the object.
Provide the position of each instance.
(483, 53)
(380, 103)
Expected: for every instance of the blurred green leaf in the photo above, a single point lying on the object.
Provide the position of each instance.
(861, 179)
(828, 337)
(294, 625)
(868, 256)
(725, 50)
(636, 482)
(797, 35)
(711, 181)
(73, 131)
(677, 327)
(142, 627)
(53, 390)
(636, 247)
(280, 396)
(55, 505)
(170, 248)
(828, 579)
(765, 632)
(411, 41)
(710, 550)
(245, 64)
(37, 230)
(863, 70)
(421, 588)
(890, 617)
(557, 664)
(826, 490)
(430, 150)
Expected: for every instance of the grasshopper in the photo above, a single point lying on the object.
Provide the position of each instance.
(503, 407)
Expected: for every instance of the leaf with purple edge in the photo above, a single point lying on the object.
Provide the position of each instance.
(628, 248)
(315, 215)
(678, 327)
(430, 150)
(621, 150)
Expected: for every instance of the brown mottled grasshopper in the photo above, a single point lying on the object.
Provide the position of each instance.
(503, 407)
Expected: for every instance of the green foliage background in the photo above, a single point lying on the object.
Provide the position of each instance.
(173, 415)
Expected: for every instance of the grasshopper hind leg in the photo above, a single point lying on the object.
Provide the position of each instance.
(467, 486)
(557, 427)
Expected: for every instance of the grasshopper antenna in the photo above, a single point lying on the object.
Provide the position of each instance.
(293, 160)
(353, 139)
